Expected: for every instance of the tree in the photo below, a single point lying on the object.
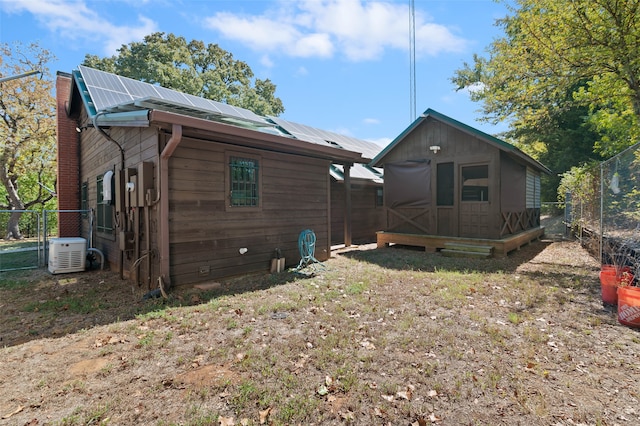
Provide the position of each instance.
(27, 132)
(566, 75)
(192, 67)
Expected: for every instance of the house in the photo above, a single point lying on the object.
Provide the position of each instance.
(447, 183)
(185, 189)
(364, 201)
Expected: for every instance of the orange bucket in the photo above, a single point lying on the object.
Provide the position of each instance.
(629, 306)
(609, 282)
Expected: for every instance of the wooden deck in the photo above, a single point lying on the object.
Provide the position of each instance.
(433, 243)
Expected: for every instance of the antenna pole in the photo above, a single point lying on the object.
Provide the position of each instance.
(412, 60)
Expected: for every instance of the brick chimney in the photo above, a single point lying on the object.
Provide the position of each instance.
(69, 224)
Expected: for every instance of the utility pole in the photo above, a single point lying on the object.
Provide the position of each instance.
(412, 60)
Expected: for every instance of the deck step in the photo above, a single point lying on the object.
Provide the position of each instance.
(458, 253)
(467, 250)
(480, 248)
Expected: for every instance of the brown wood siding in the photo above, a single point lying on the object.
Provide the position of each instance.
(206, 235)
(97, 155)
(458, 147)
(513, 185)
(367, 218)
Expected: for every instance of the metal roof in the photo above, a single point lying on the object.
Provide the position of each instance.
(358, 171)
(324, 137)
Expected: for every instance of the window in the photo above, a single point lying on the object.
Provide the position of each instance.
(533, 189)
(475, 183)
(445, 184)
(244, 182)
(104, 211)
(379, 197)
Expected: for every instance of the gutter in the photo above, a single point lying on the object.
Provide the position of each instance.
(164, 280)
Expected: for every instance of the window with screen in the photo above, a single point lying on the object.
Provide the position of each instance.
(475, 183)
(104, 210)
(244, 182)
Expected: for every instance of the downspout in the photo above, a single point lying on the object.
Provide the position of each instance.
(105, 135)
(164, 280)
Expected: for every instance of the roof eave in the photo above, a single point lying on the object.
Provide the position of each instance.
(253, 138)
(498, 143)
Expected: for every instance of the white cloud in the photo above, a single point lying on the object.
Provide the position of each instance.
(371, 121)
(474, 88)
(266, 61)
(359, 30)
(302, 71)
(465, 92)
(74, 20)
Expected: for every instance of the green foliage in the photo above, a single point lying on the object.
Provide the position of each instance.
(583, 183)
(192, 67)
(566, 75)
(27, 132)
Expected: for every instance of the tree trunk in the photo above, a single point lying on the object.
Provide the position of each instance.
(15, 203)
(13, 227)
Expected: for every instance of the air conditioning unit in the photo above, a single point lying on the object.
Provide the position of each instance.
(67, 255)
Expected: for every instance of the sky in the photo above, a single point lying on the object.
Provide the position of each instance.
(339, 65)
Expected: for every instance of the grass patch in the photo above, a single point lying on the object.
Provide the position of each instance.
(77, 305)
(385, 336)
(14, 284)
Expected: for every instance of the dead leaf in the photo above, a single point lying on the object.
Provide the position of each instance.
(244, 422)
(226, 421)
(388, 397)
(14, 412)
(241, 356)
(328, 381)
(367, 345)
(433, 418)
(264, 415)
(433, 393)
(407, 394)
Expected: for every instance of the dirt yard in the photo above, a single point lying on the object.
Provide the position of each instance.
(377, 337)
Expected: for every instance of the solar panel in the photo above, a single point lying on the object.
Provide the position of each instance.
(312, 134)
(110, 92)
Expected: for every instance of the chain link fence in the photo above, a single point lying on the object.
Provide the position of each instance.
(30, 250)
(603, 209)
(620, 209)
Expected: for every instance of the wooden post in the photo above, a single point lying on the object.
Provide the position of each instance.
(347, 205)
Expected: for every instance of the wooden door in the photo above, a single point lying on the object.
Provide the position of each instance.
(475, 200)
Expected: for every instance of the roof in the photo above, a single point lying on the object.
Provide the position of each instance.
(500, 144)
(113, 100)
(324, 137)
(312, 134)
